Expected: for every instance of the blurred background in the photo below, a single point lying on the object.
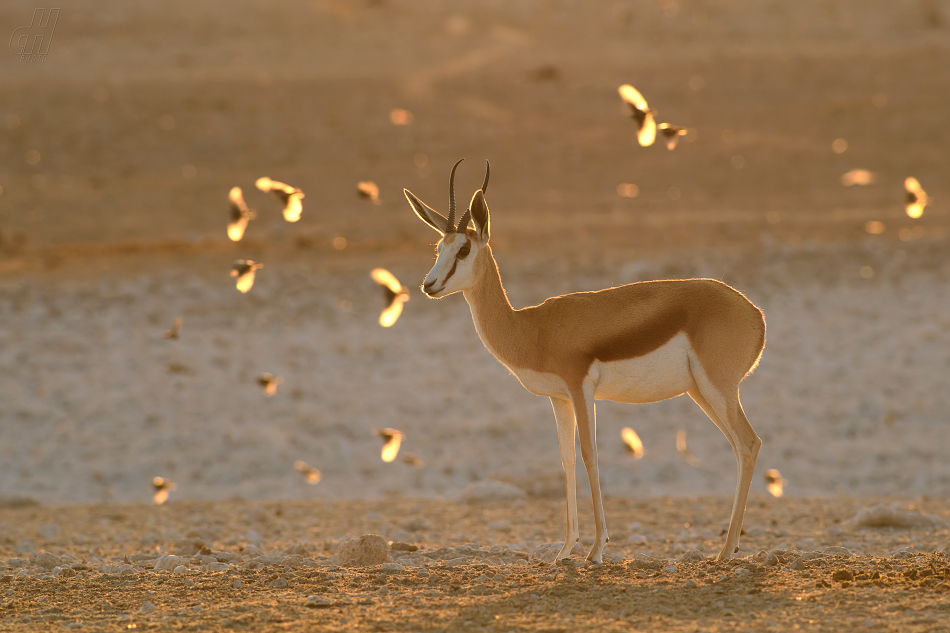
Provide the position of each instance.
(119, 150)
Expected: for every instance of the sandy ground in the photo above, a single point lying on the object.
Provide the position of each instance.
(251, 566)
(119, 153)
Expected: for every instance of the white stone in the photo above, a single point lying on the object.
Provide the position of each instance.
(167, 563)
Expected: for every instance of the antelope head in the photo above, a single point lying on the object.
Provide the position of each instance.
(459, 247)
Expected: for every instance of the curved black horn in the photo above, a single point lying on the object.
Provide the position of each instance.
(463, 223)
(451, 218)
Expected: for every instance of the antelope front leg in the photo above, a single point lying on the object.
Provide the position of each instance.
(586, 415)
(566, 425)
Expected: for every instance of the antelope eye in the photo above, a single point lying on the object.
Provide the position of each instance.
(464, 251)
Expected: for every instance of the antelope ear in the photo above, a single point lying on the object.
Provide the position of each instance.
(427, 214)
(479, 210)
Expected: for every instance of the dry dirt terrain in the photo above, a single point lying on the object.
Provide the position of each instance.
(118, 153)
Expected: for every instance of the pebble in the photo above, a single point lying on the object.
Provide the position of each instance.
(797, 565)
(742, 571)
(278, 583)
(842, 575)
(47, 560)
(236, 583)
(693, 556)
(147, 607)
(216, 566)
(189, 582)
(181, 569)
(369, 549)
(670, 569)
(383, 591)
(62, 572)
(167, 563)
(392, 567)
(692, 584)
(317, 602)
(251, 550)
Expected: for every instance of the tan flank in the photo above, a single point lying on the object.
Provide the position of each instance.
(638, 343)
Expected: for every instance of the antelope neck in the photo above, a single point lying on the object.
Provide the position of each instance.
(498, 324)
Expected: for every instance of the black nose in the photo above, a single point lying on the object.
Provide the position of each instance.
(428, 285)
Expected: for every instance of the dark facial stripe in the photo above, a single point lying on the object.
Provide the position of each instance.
(451, 272)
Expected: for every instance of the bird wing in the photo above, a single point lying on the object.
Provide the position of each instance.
(647, 133)
(632, 96)
(385, 278)
(293, 209)
(391, 314)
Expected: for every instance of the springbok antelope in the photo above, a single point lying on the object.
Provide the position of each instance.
(638, 343)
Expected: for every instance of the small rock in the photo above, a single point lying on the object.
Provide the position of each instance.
(278, 583)
(317, 602)
(251, 550)
(691, 584)
(189, 582)
(167, 563)
(216, 566)
(894, 516)
(797, 565)
(181, 569)
(842, 575)
(693, 556)
(392, 567)
(771, 560)
(147, 607)
(16, 563)
(47, 560)
(488, 490)
(422, 572)
(369, 549)
(401, 546)
(383, 591)
(907, 551)
(742, 571)
(670, 569)
(63, 572)
(236, 583)
(836, 550)
(415, 524)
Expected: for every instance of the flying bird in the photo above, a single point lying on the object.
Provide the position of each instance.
(289, 196)
(671, 133)
(311, 474)
(176, 328)
(858, 177)
(641, 113)
(412, 460)
(162, 488)
(369, 190)
(684, 452)
(392, 440)
(916, 197)
(632, 441)
(269, 382)
(396, 294)
(244, 270)
(240, 215)
(775, 482)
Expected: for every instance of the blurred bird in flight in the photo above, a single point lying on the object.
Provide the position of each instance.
(392, 440)
(641, 113)
(240, 215)
(396, 294)
(671, 133)
(916, 198)
(311, 474)
(269, 382)
(775, 482)
(162, 488)
(244, 270)
(289, 196)
(368, 190)
(632, 441)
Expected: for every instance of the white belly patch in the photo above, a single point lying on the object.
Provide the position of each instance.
(661, 374)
